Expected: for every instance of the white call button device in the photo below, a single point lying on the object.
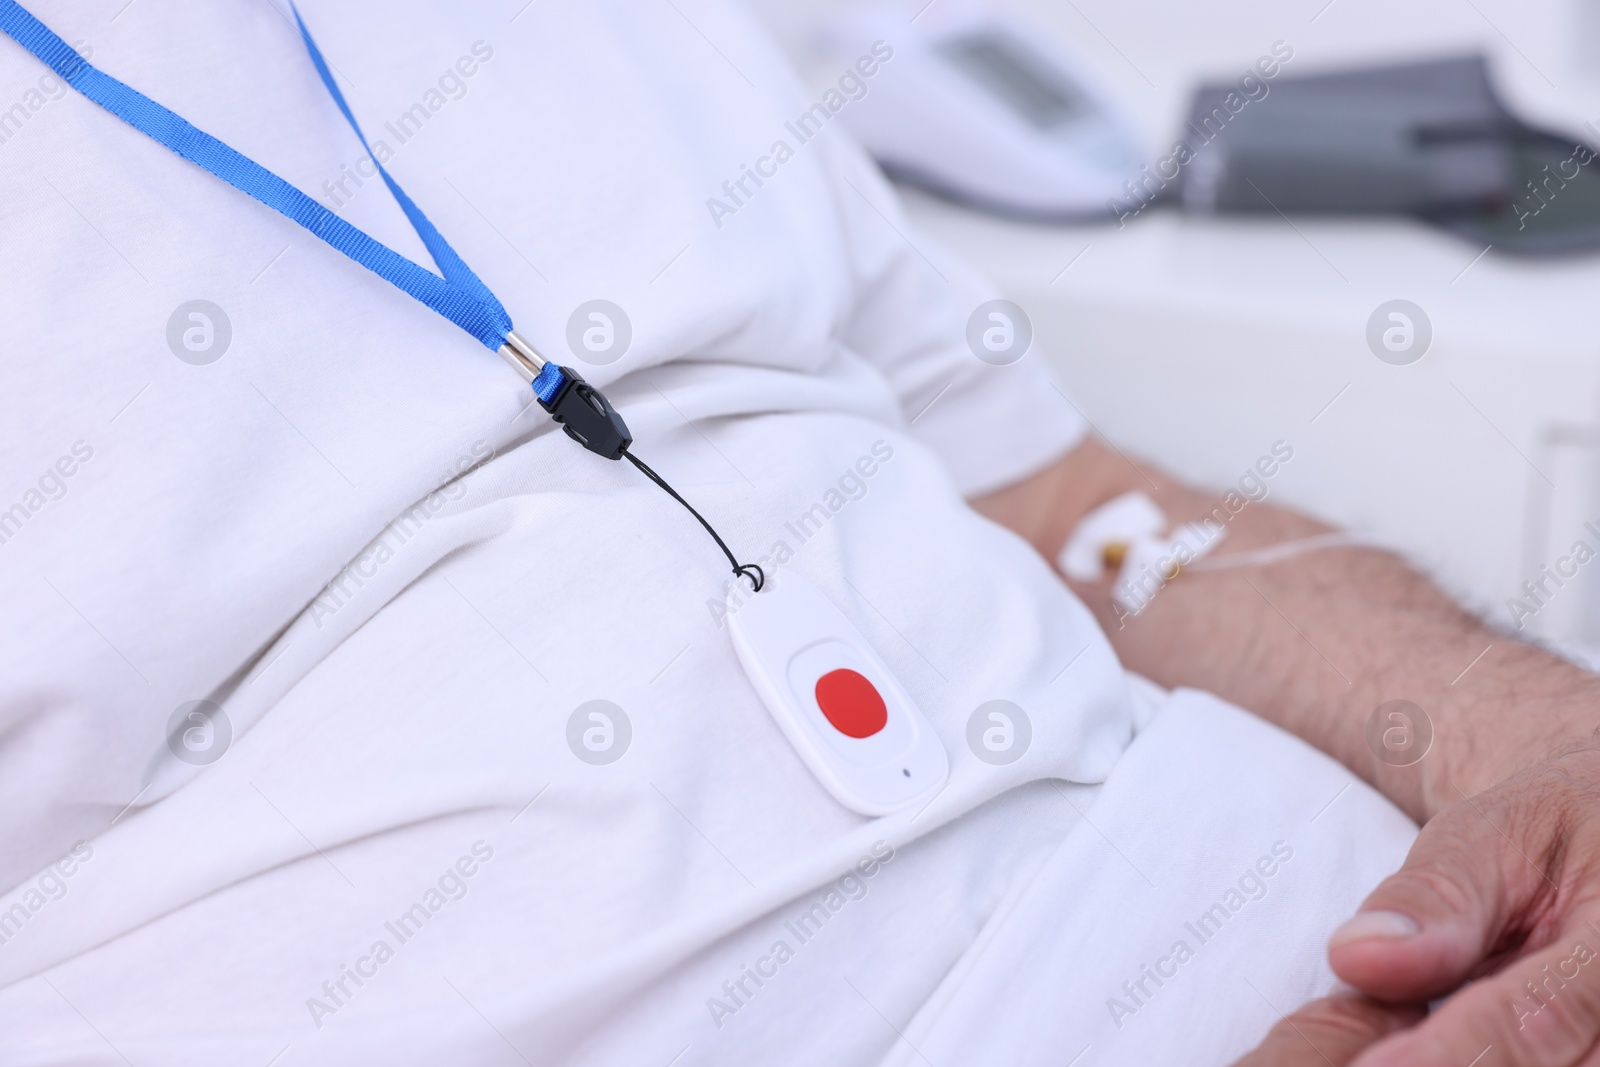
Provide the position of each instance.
(836, 700)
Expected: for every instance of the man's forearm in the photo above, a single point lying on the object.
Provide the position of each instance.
(1316, 642)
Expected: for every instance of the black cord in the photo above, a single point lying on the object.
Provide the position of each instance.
(757, 576)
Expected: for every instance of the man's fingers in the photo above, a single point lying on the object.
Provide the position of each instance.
(1329, 1031)
(1540, 1011)
(1426, 928)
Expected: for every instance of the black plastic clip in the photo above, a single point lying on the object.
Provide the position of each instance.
(587, 416)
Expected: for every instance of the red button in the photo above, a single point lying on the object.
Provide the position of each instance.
(851, 703)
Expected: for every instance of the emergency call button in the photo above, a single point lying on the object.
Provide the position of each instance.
(836, 700)
(851, 703)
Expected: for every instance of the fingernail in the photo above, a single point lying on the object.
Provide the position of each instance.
(1389, 925)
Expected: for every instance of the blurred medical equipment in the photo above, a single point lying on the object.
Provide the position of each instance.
(1410, 138)
(1428, 139)
(981, 108)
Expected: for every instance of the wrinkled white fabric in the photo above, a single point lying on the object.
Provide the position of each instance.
(351, 533)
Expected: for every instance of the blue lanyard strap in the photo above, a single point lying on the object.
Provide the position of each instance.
(459, 296)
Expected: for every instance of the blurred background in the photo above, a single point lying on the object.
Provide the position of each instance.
(1197, 336)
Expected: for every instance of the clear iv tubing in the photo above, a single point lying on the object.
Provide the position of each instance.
(1262, 557)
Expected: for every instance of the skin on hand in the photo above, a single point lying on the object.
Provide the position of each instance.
(1333, 1030)
(1503, 891)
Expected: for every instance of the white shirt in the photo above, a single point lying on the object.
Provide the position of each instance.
(353, 534)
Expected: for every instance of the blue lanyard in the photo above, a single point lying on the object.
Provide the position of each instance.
(460, 296)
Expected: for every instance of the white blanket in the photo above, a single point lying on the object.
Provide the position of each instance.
(1186, 911)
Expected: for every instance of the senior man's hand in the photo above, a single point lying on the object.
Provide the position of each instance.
(1498, 906)
(1333, 1030)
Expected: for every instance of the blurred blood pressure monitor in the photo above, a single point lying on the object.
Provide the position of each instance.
(981, 109)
